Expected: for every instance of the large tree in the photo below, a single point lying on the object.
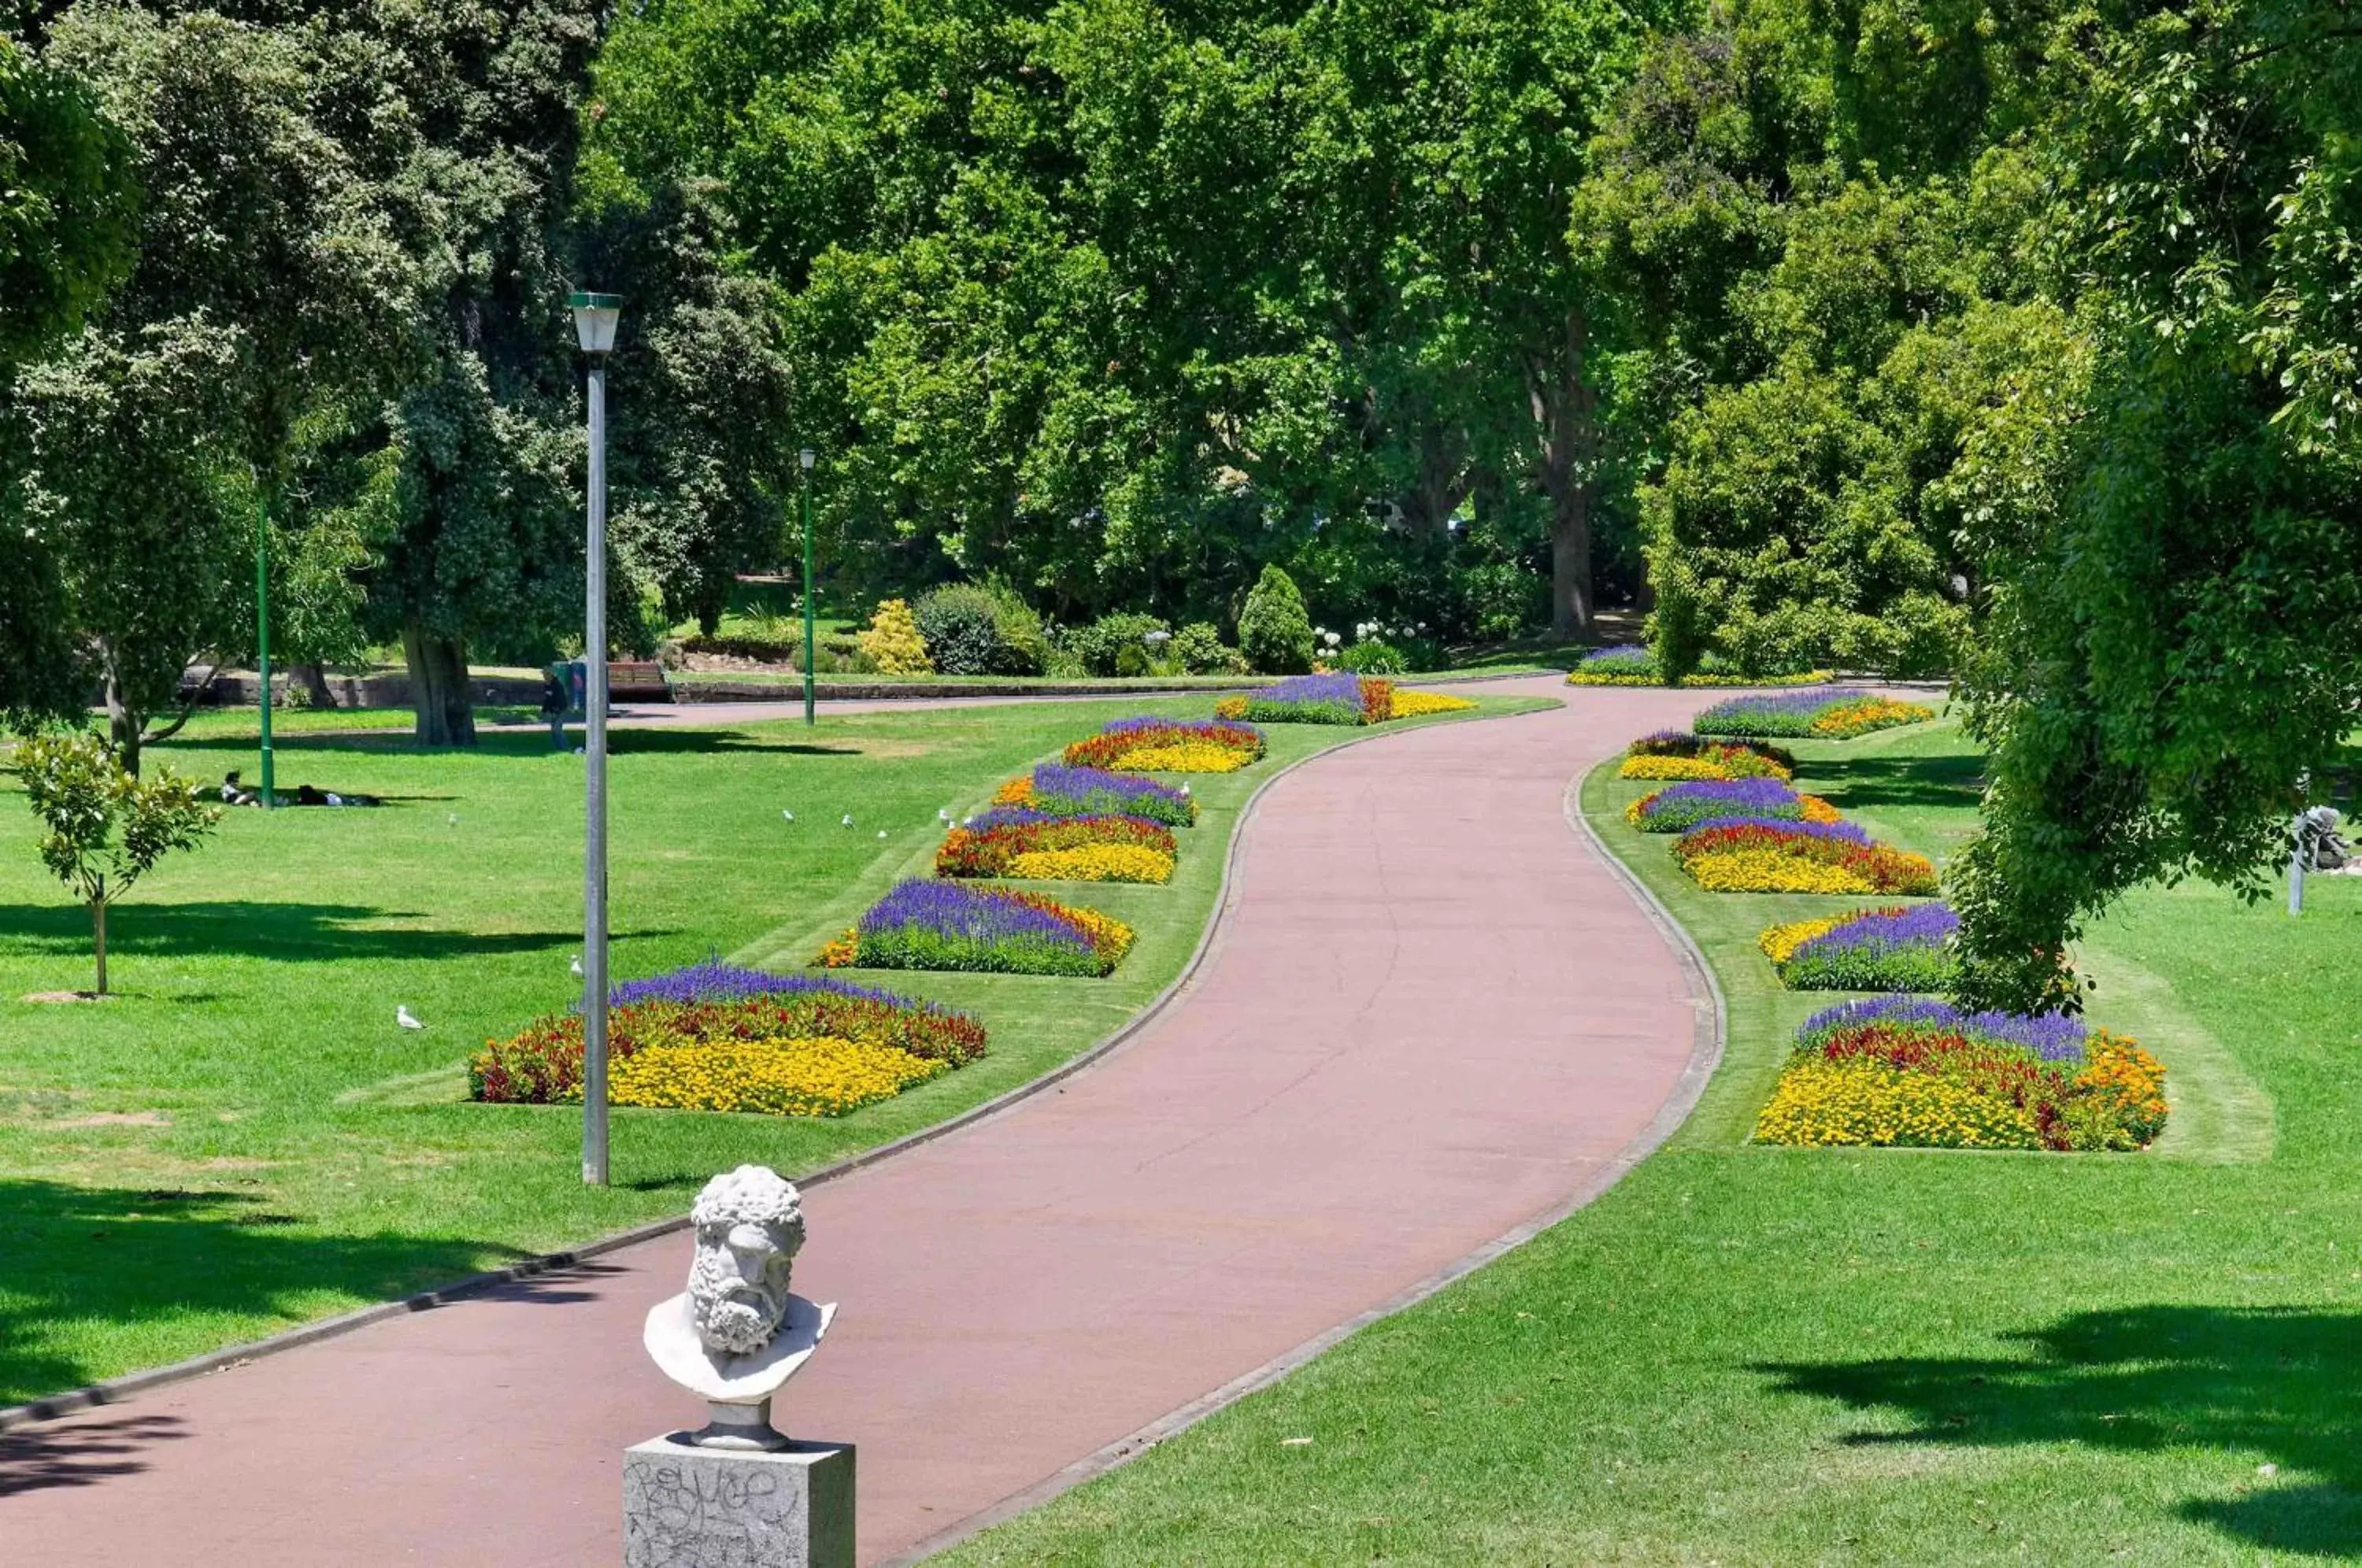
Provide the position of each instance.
(267, 291)
(67, 201)
(2173, 655)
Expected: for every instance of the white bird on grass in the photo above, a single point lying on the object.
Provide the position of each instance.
(848, 819)
(787, 816)
(942, 815)
(578, 963)
(402, 1016)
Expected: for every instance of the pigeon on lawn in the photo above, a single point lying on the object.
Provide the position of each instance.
(577, 965)
(942, 815)
(402, 1016)
(848, 819)
(787, 816)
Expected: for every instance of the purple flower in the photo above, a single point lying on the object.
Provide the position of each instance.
(1063, 790)
(1924, 925)
(1337, 687)
(716, 981)
(2053, 1037)
(1742, 795)
(1851, 833)
(980, 914)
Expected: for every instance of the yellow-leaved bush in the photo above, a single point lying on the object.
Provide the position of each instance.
(892, 643)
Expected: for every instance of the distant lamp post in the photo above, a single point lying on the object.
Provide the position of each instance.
(804, 460)
(262, 641)
(595, 316)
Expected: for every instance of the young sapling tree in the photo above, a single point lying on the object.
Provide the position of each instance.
(105, 827)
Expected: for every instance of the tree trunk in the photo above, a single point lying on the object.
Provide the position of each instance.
(124, 725)
(315, 682)
(1566, 412)
(440, 696)
(98, 936)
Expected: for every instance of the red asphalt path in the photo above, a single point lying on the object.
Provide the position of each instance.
(1432, 1017)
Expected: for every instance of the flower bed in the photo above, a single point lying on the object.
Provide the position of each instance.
(1014, 841)
(1907, 948)
(1053, 789)
(1335, 699)
(1741, 854)
(1826, 713)
(1677, 754)
(712, 1006)
(924, 924)
(1169, 745)
(1907, 1072)
(1630, 664)
(1679, 807)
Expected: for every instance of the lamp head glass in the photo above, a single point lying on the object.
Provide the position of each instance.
(595, 316)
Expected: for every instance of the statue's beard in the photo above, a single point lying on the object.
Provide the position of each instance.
(729, 1314)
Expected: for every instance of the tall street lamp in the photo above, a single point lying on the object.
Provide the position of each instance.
(595, 316)
(804, 460)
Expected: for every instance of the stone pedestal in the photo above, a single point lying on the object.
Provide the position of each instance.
(701, 1507)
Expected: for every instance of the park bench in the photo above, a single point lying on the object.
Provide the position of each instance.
(629, 680)
(637, 680)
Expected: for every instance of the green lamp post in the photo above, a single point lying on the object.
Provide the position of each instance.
(804, 460)
(262, 640)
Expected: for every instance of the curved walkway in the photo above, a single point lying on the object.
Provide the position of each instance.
(1432, 1018)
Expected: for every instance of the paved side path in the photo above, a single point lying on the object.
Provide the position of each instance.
(1432, 1017)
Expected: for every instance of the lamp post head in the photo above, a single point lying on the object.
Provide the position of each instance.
(806, 459)
(595, 316)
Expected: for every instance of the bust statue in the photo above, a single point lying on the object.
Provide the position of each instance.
(737, 1334)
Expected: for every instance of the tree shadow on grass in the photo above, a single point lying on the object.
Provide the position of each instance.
(1915, 781)
(125, 1259)
(2277, 1382)
(294, 933)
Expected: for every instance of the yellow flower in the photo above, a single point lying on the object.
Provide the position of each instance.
(1183, 759)
(1229, 707)
(1780, 942)
(822, 1076)
(1094, 863)
(1419, 704)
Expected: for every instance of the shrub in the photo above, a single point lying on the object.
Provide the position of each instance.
(1630, 664)
(943, 925)
(1372, 657)
(892, 645)
(1100, 647)
(1169, 745)
(961, 628)
(1009, 841)
(1827, 713)
(1679, 807)
(987, 630)
(1274, 631)
(1199, 649)
(1058, 789)
(714, 1004)
(1740, 855)
(1908, 948)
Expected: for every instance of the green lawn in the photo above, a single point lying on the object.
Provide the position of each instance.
(1754, 1355)
(245, 1139)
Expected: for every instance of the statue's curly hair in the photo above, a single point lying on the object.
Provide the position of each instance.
(752, 1194)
